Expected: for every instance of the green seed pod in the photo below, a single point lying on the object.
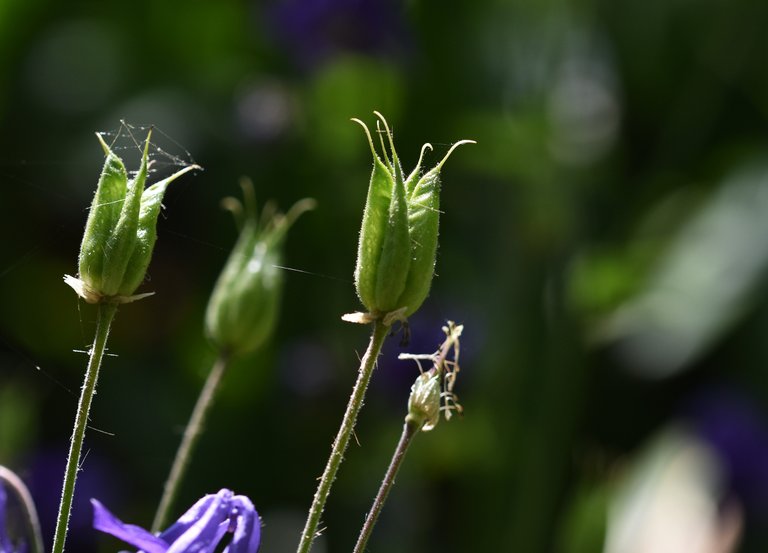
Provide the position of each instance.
(243, 307)
(398, 237)
(121, 231)
(424, 401)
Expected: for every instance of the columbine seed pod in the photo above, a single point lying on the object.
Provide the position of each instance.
(424, 401)
(121, 231)
(398, 237)
(243, 307)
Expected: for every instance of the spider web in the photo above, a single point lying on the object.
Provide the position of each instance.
(166, 155)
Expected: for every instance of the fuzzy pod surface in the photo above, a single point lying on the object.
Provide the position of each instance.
(398, 237)
(120, 232)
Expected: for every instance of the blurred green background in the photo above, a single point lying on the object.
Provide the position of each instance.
(605, 244)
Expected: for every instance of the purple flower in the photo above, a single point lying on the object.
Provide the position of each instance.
(6, 546)
(200, 530)
(313, 31)
(735, 427)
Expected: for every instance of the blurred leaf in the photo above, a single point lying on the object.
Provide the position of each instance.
(703, 282)
(583, 530)
(18, 420)
(604, 277)
(350, 87)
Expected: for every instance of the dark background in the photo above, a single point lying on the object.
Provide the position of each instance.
(605, 243)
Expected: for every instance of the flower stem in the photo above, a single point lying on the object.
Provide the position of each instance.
(342, 438)
(191, 435)
(409, 431)
(105, 315)
(30, 518)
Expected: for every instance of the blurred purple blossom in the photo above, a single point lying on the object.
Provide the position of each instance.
(201, 529)
(311, 31)
(737, 431)
(5, 540)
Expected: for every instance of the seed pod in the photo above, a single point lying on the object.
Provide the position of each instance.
(121, 231)
(398, 237)
(424, 401)
(243, 308)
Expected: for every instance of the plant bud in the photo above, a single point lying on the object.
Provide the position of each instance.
(435, 386)
(243, 307)
(398, 238)
(424, 401)
(121, 231)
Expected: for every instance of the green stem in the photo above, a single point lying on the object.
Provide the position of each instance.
(409, 431)
(106, 313)
(367, 365)
(30, 518)
(191, 435)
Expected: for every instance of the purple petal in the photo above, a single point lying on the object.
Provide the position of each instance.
(247, 527)
(188, 519)
(5, 541)
(206, 533)
(136, 536)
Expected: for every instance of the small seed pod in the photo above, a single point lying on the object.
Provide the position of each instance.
(432, 393)
(398, 237)
(424, 401)
(121, 231)
(243, 307)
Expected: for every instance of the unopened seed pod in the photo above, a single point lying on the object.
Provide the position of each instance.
(242, 310)
(120, 232)
(398, 236)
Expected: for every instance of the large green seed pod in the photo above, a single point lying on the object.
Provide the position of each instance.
(121, 231)
(398, 237)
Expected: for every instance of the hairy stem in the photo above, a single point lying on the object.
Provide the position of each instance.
(191, 435)
(409, 431)
(105, 315)
(29, 518)
(342, 438)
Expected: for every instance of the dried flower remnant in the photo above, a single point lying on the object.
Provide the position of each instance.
(202, 528)
(432, 392)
